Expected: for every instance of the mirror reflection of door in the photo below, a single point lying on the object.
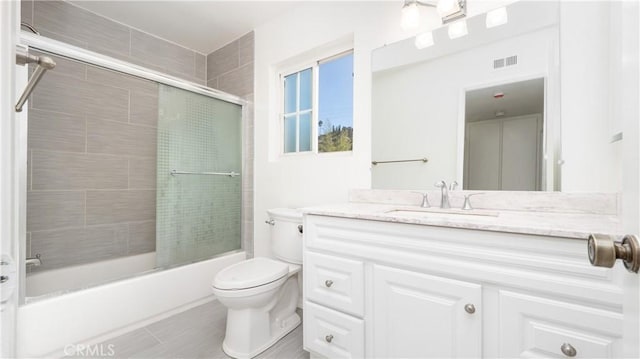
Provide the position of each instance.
(503, 137)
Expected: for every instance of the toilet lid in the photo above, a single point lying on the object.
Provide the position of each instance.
(250, 273)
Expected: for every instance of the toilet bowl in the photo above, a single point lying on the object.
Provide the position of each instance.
(261, 294)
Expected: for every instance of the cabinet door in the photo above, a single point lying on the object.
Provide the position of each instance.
(417, 315)
(532, 327)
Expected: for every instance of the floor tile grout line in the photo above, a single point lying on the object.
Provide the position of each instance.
(153, 336)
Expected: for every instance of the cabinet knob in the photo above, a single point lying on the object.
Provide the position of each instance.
(328, 338)
(470, 308)
(568, 350)
(328, 283)
(4, 278)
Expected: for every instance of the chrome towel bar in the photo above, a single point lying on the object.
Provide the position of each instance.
(230, 174)
(424, 160)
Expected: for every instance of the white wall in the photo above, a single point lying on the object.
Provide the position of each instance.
(314, 179)
(591, 162)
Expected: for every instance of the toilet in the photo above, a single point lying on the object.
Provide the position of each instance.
(261, 294)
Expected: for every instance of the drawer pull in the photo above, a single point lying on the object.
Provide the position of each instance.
(328, 338)
(568, 350)
(470, 308)
(328, 283)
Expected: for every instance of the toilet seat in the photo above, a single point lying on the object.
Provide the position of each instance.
(251, 273)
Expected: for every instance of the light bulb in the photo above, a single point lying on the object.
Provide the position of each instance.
(447, 7)
(424, 40)
(457, 29)
(410, 17)
(497, 17)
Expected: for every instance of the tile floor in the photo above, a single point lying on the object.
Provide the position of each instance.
(195, 333)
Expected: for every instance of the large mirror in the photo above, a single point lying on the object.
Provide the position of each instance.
(522, 106)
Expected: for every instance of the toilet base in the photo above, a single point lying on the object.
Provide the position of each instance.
(286, 327)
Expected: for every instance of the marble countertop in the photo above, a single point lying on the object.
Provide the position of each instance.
(568, 225)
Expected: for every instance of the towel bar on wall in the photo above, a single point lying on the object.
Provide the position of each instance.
(230, 174)
(424, 160)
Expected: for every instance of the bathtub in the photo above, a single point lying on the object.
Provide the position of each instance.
(57, 281)
(47, 325)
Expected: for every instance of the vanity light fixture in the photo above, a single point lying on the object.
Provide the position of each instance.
(457, 29)
(424, 40)
(497, 17)
(449, 10)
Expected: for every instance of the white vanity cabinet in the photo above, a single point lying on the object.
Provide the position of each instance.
(392, 290)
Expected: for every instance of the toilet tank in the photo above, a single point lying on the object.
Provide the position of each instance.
(286, 235)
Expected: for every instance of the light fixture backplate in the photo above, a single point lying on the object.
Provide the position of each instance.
(458, 14)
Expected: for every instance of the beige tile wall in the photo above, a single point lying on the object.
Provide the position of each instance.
(92, 140)
(92, 136)
(91, 166)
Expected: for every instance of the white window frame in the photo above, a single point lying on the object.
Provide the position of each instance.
(314, 65)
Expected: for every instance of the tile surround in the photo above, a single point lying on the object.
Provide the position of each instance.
(92, 132)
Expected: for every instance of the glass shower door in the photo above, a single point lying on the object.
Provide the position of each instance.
(198, 177)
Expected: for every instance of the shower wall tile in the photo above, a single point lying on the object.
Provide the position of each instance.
(65, 170)
(142, 237)
(142, 172)
(144, 109)
(63, 18)
(60, 93)
(26, 11)
(201, 67)
(223, 60)
(246, 49)
(163, 53)
(73, 246)
(113, 79)
(120, 206)
(238, 82)
(66, 22)
(120, 138)
(55, 209)
(56, 131)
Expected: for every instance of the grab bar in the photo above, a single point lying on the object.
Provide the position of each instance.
(45, 63)
(424, 160)
(230, 174)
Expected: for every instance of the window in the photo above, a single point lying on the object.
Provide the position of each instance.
(318, 106)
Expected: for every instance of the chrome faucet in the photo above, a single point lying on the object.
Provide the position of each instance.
(444, 200)
(34, 261)
(453, 185)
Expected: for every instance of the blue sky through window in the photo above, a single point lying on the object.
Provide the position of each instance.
(335, 99)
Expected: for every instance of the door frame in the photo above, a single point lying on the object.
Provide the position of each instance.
(9, 172)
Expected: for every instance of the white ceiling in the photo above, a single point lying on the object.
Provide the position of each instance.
(520, 98)
(203, 26)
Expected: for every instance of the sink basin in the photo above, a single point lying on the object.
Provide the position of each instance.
(432, 212)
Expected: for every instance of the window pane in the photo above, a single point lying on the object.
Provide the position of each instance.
(335, 109)
(305, 132)
(305, 89)
(290, 133)
(290, 91)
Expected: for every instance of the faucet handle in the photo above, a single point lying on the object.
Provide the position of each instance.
(467, 200)
(453, 185)
(425, 199)
(440, 184)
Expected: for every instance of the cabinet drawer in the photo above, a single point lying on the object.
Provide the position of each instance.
(332, 334)
(335, 282)
(538, 327)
